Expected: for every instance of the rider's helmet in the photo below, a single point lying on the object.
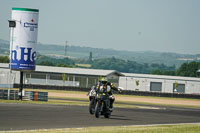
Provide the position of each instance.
(103, 81)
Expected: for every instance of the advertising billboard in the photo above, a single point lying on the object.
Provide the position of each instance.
(23, 40)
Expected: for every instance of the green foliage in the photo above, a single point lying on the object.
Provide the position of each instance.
(188, 69)
(64, 77)
(127, 65)
(164, 72)
(65, 65)
(4, 59)
(176, 85)
(48, 61)
(137, 82)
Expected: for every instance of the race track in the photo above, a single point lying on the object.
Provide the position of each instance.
(34, 116)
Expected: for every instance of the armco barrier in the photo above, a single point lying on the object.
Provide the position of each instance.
(51, 87)
(13, 95)
(38, 96)
(29, 95)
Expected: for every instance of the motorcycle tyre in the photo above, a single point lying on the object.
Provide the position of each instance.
(97, 110)
(107, 115)
(91, 109)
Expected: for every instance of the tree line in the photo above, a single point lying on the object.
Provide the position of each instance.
(186, 70)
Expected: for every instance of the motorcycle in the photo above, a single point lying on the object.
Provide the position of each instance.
(103, 103)
(92, 99)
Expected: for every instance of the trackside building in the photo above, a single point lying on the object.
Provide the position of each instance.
(58, 76)
(160, 83)
(85, 78)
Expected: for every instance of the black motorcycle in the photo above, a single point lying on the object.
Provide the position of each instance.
(103, 104)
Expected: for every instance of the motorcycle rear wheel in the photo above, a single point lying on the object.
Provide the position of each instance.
(107, 115)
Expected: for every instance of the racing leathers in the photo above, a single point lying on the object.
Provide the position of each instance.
(109, 88)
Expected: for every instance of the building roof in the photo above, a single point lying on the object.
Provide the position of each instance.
(135, 75)
(75, 71)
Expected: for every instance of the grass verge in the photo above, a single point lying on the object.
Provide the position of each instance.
(182, 128)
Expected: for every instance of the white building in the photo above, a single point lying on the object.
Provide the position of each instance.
(85, 78)
(160, 83)
(57, 76)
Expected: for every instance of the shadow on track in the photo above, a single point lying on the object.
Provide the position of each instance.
(118, 117)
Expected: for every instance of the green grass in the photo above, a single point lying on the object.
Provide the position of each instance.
(186, 128)
(56, 102)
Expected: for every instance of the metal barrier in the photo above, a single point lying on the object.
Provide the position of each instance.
(37, 96)
(51, 87)
(28, 95)
(12, 96)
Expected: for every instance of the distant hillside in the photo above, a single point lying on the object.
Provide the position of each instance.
(57, 51)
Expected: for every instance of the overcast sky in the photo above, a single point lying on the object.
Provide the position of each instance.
(134, 25)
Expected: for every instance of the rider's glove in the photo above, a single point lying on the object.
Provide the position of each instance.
(120, 90)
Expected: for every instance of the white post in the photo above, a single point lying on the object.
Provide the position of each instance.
(86, 82)
(126, 83)
(73, 80)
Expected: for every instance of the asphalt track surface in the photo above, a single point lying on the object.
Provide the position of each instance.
(17, 116)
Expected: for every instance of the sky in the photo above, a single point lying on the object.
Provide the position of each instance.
(133, 25)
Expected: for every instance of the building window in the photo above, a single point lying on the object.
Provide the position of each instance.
(179, 88)
(156, 86)
(38, 76)
(56, 76)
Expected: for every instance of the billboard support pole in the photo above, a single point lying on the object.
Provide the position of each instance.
(21, 85)
(12, 25)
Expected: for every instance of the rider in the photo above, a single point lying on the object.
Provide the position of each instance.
(110, 86)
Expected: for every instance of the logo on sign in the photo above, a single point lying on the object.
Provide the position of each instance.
(32, 25)
(27, 57)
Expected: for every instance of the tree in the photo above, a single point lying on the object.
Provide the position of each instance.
(64, 78)
(4, 59)
(137, 82)
(188, 69)
(46, 63)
